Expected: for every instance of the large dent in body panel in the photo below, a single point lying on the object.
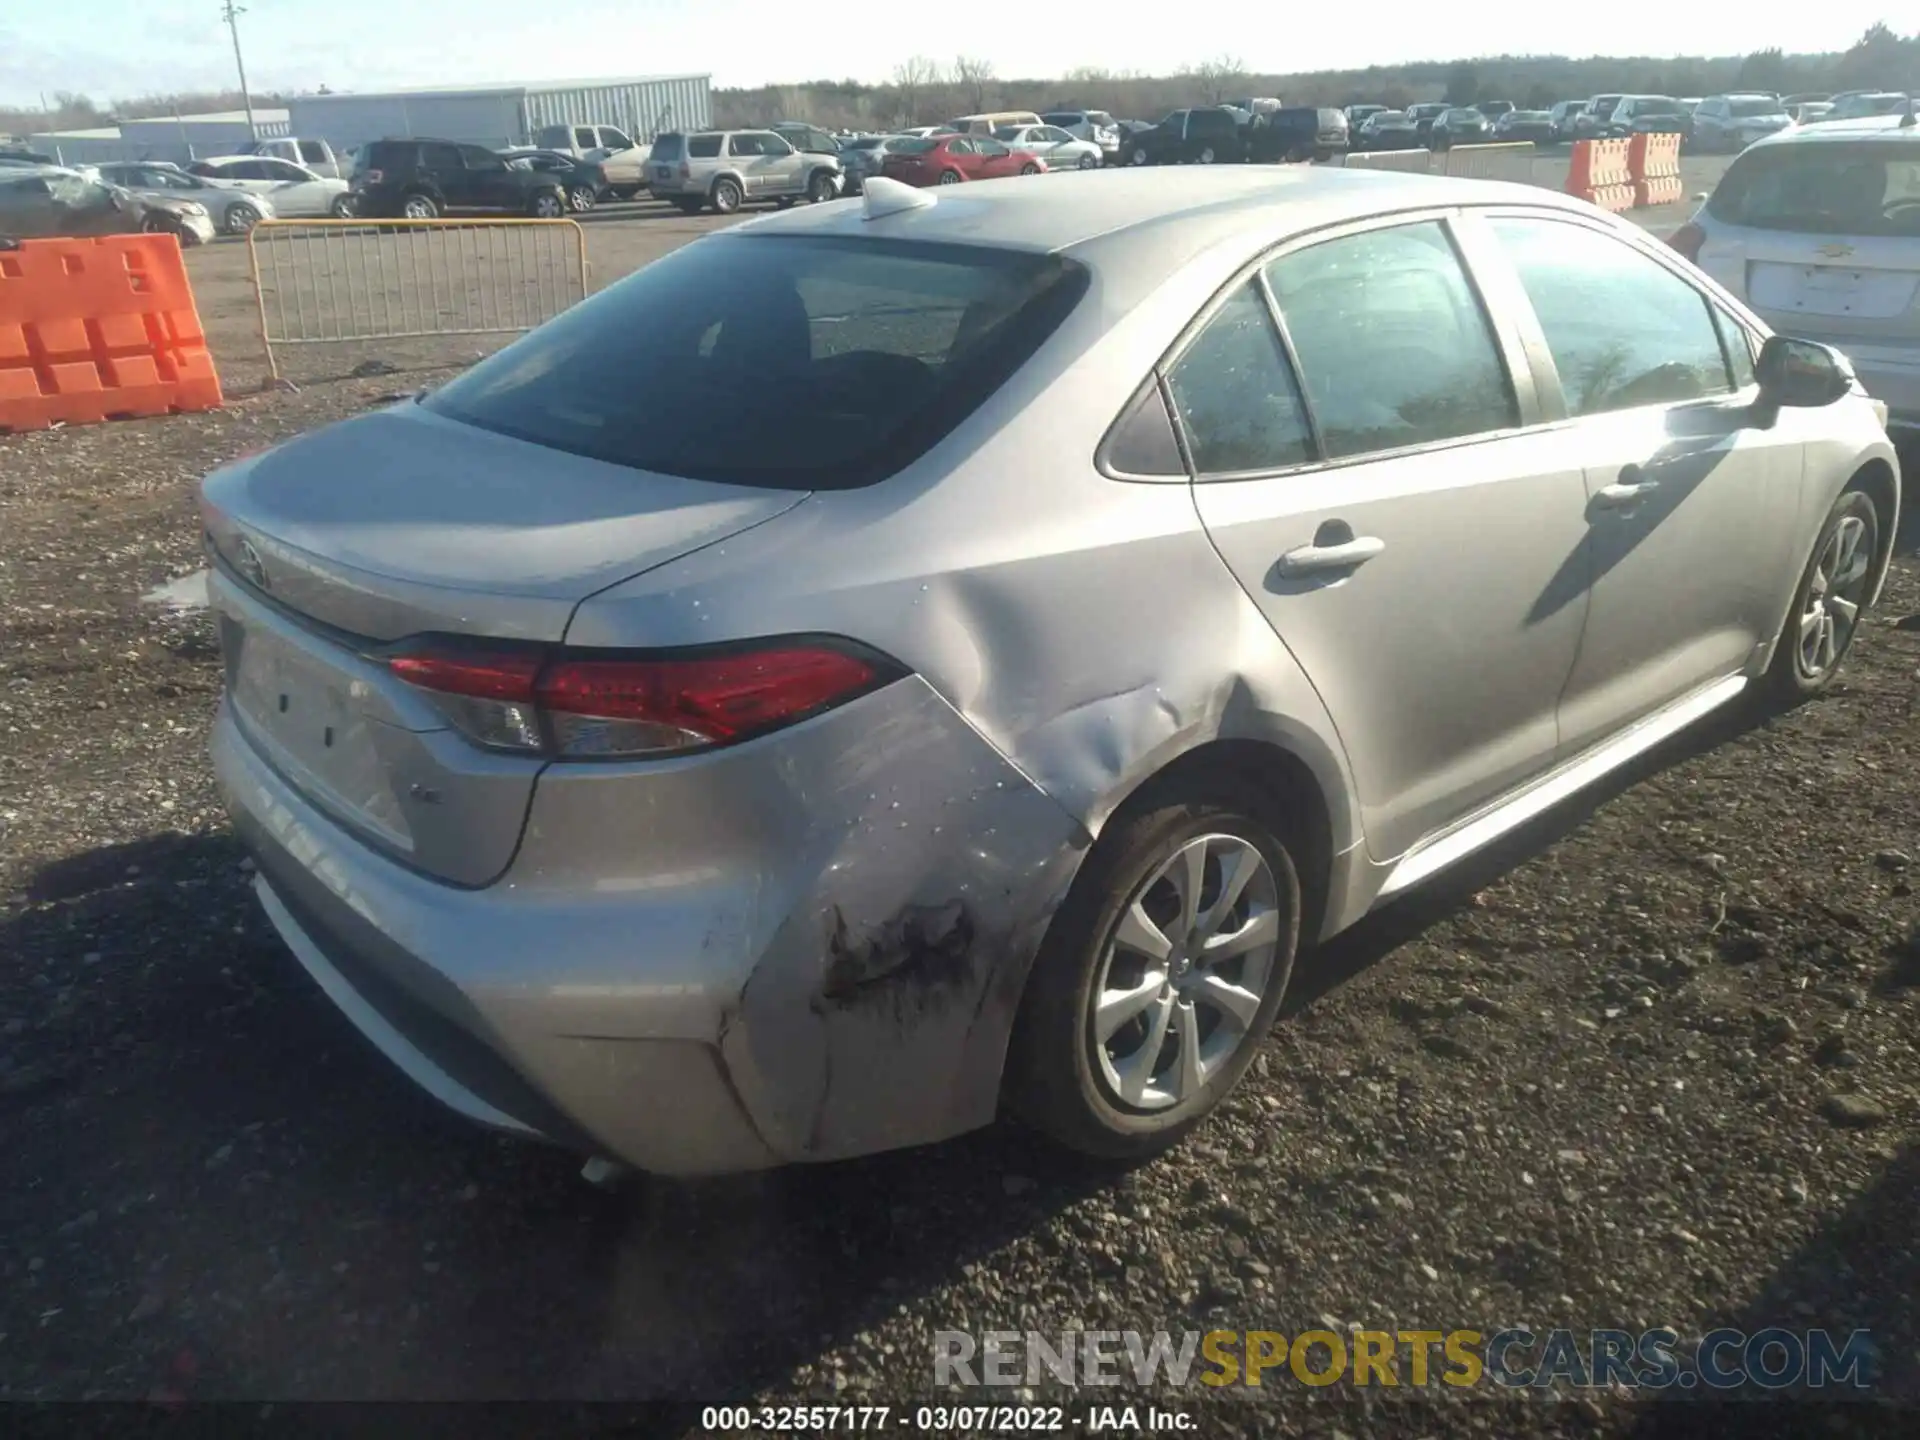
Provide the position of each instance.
(878, 1011)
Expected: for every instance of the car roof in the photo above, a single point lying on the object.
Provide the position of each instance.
(1185, 210)
(1827, 132)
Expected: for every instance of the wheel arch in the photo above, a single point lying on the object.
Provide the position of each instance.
(1877, 480)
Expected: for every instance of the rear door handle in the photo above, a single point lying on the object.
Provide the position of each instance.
(1632, 487)
(1315, 559)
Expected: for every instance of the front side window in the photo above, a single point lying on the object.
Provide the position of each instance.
(1235, 393)
(476, 158)
(1394, 348)
(583, 137)
(1623, 329)
(744, 145)
(613, 139)
(782, 361)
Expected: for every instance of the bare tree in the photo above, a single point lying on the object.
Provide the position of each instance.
(911, 77)
(973, 76)
(1219, 76)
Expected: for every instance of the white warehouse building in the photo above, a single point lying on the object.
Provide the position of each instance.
(179, 138)
(501, 115)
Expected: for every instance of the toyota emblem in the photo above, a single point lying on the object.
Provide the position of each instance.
(247, 560)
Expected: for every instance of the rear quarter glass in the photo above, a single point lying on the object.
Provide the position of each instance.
(780, 361)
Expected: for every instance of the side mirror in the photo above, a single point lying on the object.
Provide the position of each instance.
(1801, 373)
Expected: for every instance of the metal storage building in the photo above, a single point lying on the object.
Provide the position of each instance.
(506, 114)
(179, 138)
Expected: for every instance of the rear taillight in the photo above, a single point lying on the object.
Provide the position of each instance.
(686, 171)
(1687, 240)
(586, 705)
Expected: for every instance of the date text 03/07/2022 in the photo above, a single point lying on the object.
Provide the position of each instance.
(945, 1419)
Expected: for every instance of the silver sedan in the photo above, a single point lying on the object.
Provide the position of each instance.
(234, 210)
(1012, 625)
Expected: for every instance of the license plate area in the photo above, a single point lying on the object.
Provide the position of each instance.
(306, 717)
(1832, 290)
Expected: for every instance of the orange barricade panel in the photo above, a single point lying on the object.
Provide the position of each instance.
(98, 329)
(1600, 174)
(1653, 162)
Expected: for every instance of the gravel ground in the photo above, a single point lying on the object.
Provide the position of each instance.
(1652, 1063)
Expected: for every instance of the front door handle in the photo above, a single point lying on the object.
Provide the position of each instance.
(1316, 559)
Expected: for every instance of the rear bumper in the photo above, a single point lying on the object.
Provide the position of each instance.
(844, 983)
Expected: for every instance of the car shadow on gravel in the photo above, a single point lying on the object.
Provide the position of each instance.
(219, 1189)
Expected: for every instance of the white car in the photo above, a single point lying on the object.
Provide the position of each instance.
(234, 211)
(1050, 143)
(1095, 125)
(294, 191)
(1818, 229)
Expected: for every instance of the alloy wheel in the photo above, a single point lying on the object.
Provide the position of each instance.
(548, 206)
(1184, 973)
(580, 198)
(1835, 595)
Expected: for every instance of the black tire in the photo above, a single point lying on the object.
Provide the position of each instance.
(1029, 169)
(1207, 155)
(820, 188)
(1053, 1078)
(547, 205)
(1794, 675)
(342, 207)
(581, 199)
(1089, 162)
(785, 202)
(240, 220)
(1140, 156)
(950, 177)
(726, 196)
(420, 206)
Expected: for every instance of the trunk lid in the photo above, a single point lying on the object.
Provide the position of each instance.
(1865, 287)
(402, 523)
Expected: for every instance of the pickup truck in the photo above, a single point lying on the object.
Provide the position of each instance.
(314, 155)
(623, 163)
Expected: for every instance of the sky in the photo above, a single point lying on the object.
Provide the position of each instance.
(122, 48)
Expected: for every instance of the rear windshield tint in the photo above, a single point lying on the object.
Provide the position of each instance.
(1824, 189)
(1746, 109)
(667, 147)
(911, 147)
(1062, 118)
(791, 362)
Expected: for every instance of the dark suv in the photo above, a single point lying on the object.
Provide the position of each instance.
(423, 179)
(1206, 137)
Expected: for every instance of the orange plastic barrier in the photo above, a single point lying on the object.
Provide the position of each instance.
(98, 329)
(1654, 163)
(1599, 173)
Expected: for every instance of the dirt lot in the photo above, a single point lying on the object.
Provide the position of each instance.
(1588, 1082)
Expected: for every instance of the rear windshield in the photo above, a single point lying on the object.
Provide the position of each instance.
(1745, 108)
(667, 147)
(1824, 189)
(792, 362)
(1063, 118)
(911, 147)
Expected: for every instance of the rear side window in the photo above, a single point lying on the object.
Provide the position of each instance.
(703, 147)
(792, 362)
(1235, 393)
(1393, 346)
(1624, 330)
(1824, 189)
(440, 157)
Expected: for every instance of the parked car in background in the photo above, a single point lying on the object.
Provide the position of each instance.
(1387, 130)
(1809, 98)
(860, 159)
(1254, 104)
(293, 191)
(1424, 114)
(39, 202)
(1357, 114)
(1494, 109)
(1202, 137)
(1297, 133)
(1565, 115)
(423, 179)
(1724, 124)
(622, 162)
(806, 138)
(950, 159)
(234, 211)
(1643, 114)
(1818, 229)
(10, 155)
(308, 152)
(727, 168)
(992, 121)
(585, 181)
(1861, 105)
(1590, 121)
(1095, 125)
(728, 821)
(1050, 143)
(1809, 112)
(1459, 126)
(1531, 126)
